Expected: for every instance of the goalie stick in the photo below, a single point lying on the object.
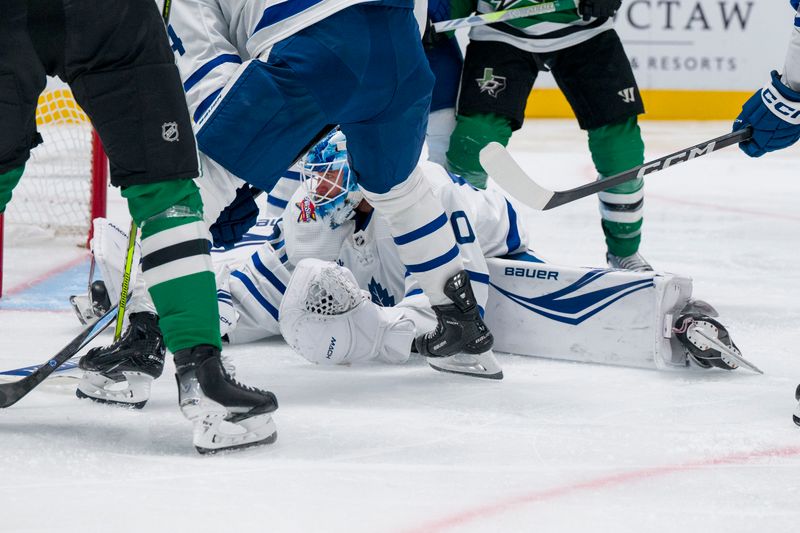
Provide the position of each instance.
(499, 164)
(11, 393)
(504, 15)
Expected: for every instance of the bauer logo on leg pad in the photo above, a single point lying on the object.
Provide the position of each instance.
(530, 273)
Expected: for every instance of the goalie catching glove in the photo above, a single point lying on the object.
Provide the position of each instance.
(327, 319)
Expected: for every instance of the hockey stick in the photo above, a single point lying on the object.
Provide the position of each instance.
(11, 393)
(504, 15)
(126, 280)
(21, 372)
(499, 164)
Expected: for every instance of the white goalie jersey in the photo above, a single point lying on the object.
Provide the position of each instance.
(254, 285)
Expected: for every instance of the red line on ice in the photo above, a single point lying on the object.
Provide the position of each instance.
(492, 509)
(44, 277)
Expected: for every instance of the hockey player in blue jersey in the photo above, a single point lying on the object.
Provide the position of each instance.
(774, 114)
(300, 68)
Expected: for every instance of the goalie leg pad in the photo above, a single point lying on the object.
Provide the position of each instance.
(612, 317)
(327, 319)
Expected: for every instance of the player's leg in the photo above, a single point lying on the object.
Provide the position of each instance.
(495, 85)
(22, 78)
(153, 158)
(396, 188)
(445, 59)
(597, 80)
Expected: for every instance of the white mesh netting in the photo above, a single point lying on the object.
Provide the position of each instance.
(53, 197)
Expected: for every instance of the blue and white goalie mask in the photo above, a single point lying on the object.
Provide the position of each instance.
(328, 182)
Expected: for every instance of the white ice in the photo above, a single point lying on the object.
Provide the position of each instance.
(554, 447)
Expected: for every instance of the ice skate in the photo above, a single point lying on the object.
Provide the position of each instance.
(796, 415)
(226, 414)
(90, 307)
(123, 372)
(461, 342)
(708, 344)
(634, 262)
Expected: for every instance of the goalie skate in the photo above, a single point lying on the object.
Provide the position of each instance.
(123, 372)
(707, 343)
(90, 307)
(796, 415)
(226, 414)
(461, 342)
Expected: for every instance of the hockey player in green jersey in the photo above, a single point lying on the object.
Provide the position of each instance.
(589, 64)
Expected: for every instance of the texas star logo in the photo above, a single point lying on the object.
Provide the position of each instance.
(308, 213)
(491, 84)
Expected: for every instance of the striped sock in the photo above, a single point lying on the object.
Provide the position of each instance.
(176, 265)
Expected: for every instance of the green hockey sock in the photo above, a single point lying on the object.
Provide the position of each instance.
(470, 135)
(616, 148)
(8, 181)
(176, 263)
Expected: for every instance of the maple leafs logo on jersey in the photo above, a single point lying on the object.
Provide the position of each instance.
(308, 212)
(379, 295)
(491, 84)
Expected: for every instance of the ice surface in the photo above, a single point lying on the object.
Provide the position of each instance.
(553, 447)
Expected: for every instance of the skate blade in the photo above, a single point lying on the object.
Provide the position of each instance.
(482, 365)
(211, 435)
(131, 392)
(213, 451)
(722, 348)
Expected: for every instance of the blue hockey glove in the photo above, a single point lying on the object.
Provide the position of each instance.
(236, 219)
(774, 113)
(598, 8)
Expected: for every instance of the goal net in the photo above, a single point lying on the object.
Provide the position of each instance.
(64, 184)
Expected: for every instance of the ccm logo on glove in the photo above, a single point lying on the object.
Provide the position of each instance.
(784, 109)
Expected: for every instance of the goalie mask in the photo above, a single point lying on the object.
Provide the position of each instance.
(328, 182)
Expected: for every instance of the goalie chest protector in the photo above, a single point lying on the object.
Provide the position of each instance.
(592, 315)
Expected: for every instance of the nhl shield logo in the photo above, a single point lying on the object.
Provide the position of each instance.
(308, 212)
(169, 131)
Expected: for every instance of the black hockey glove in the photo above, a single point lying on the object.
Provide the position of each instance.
(598, 8)
(236, 219)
